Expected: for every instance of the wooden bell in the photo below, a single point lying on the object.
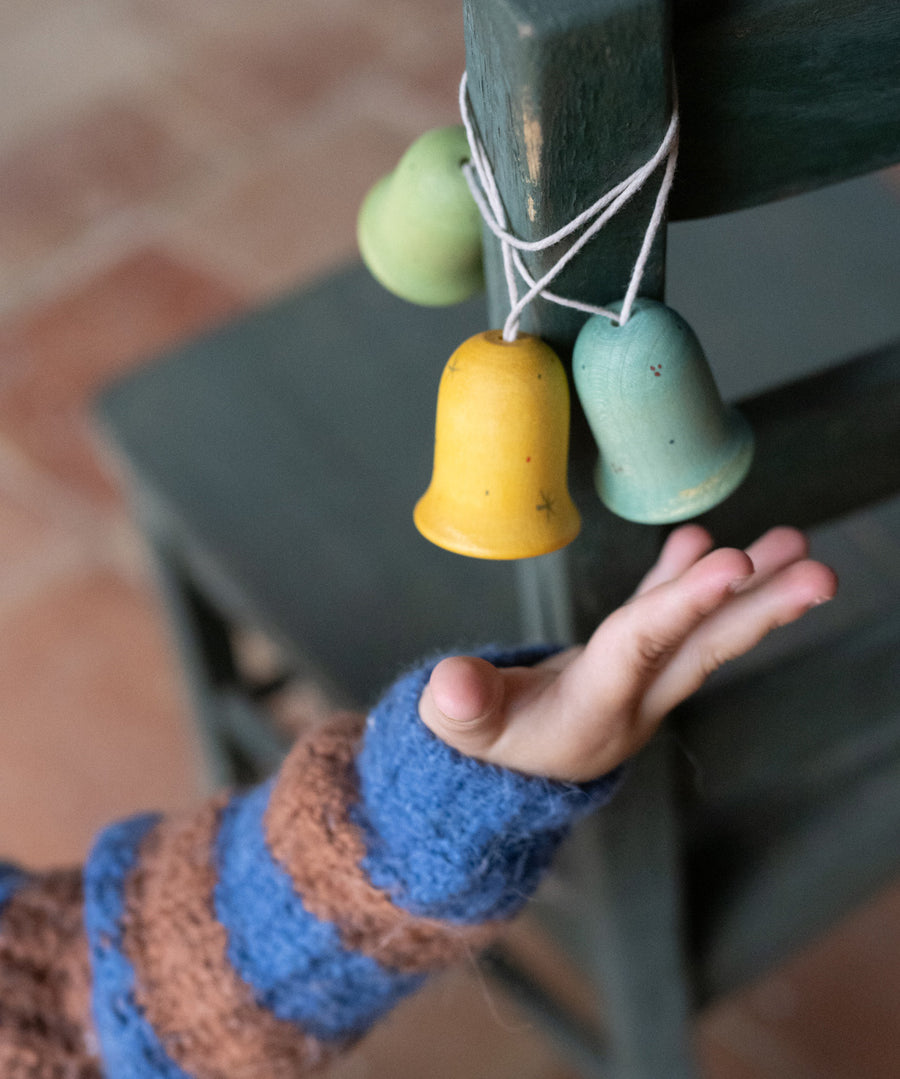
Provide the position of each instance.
(419, 230)
(498, 489)
(669, 447)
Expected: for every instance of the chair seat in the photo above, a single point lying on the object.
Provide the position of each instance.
(281, 456)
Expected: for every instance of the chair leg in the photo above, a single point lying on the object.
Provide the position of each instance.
(627, 934)
(237, 745)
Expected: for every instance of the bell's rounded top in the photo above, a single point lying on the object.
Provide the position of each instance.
(419, 230)
(430, 173)
(653, 332)
(490, 347)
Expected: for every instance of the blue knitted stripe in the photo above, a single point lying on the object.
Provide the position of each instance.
(129, 1045)
(295, 963)
(448, 836)
(11, 877)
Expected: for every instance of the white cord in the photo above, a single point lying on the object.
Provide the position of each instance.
(483, 185)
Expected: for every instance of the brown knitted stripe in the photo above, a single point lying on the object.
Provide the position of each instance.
(309, 831)
(45, 1024)
(200, 1008)
(30, 1054)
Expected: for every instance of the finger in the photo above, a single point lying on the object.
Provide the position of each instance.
(591, 695)
(774, 550)
(680, 551)
(463, 703)
(498, 715)
(630, 648)
(560, 660)
(639, 637)
(737, 627)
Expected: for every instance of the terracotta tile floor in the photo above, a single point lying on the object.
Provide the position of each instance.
(163, 164)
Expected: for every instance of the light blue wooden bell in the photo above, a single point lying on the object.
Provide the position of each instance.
(669, 448)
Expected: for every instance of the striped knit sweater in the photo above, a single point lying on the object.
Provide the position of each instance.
(260, 935)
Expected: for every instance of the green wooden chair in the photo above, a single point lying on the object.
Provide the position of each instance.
(276, 461)
(691, 897)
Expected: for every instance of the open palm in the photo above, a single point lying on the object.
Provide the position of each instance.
(582, 712)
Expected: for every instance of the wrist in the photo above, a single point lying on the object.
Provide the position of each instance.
(448, 835)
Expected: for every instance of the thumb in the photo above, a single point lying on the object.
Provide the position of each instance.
(464, 703)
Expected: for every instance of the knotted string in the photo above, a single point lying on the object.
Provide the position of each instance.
(480, 178)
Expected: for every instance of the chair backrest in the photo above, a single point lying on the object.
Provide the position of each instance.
(775, 96)
(781, 96)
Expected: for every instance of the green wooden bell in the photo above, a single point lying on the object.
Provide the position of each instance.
(419, 230)
(669, 448)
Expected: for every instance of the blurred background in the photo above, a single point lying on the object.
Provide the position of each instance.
(164, 165)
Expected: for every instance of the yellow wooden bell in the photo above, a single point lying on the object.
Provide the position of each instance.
(498, 488)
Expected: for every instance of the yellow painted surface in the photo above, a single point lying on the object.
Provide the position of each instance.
(498, 488)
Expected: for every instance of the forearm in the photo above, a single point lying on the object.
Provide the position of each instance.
(45, 980)
(266, 931)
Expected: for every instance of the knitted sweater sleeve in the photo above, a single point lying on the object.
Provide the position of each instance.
(265, 932)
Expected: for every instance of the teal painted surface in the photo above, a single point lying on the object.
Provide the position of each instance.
(781, 843)
(569, 98)
(669, 448)
(419, 230)
(826, 445)
(782, 96)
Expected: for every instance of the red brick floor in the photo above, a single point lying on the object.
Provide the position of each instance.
(164, 164)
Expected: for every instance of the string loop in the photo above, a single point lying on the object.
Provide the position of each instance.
(480, 178)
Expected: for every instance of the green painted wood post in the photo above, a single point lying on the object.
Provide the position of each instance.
(569, 98)
(778, 98)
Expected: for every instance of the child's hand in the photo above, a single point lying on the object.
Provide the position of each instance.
(581, 713)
